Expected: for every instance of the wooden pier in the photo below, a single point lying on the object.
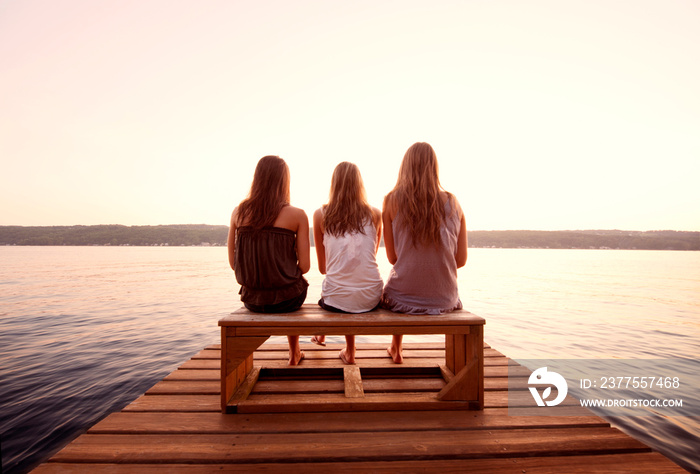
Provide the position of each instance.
(177, 426)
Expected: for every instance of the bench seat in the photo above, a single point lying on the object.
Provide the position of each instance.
(242, 332)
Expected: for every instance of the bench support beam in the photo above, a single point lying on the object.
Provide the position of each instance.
(353, 382)
(236, 363)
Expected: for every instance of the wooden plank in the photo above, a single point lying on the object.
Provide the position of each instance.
(202, 364)
(175, 403)
(335, 346)
(368, 349)
(238, 349)
(196, 387)
(336, 386)
(457, 387)
(385, 363)
(366, 330)
(394, 385)
(236, 362)
(311, 315)
(226, 384)
(243, 390)
(460, 344)
(329, 402)
(348, 422)
(446, 373)
(353, 382)
(185, 375)
(208, 354)
(393, 370)
(313, 358)
(299, 386)
(618, 463)
(324, 353)
(338, 447)
(496, 370)
(450, 351)
(423, 401)
(475, 372)
(332, 353)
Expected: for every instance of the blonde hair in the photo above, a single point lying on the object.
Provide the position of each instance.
(347, 210)
(417, 195)
(268, 194)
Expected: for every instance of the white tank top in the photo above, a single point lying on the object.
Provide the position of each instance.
(352, 282)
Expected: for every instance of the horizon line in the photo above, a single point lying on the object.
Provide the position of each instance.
(468, 230)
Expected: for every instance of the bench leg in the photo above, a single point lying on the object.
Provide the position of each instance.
(236, 362)
(464, 357)
(475, 352)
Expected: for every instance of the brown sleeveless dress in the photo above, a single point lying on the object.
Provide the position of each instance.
(266, 266)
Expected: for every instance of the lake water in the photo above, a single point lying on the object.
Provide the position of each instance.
(86, 330)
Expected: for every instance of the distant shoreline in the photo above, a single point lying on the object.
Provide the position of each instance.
(215, 235)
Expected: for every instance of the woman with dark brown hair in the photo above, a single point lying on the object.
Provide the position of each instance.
(268, 246)
(425, 236)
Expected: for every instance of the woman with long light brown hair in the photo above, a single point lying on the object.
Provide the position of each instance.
(425, 236)
(347, 232)
(268, 246)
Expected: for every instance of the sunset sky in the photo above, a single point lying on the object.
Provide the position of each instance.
(544, 115)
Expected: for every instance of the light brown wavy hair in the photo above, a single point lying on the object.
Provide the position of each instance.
(268, 194)
(417, 195)
(347, 210)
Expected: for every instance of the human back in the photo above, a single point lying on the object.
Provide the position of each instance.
(347, 231)
(423, 277)
(425, 238)
(267, 207)
(268, 246)
(353, 283)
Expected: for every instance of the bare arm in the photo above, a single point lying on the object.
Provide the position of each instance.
(318, 240)
(461, 255)
(377, 219)
(231, 240)
(388, 214)
(303, 244)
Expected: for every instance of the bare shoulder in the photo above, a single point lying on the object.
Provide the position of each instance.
(292, 218)
(376, 215)
(299, 213)
(318, 218)
(291, 211)
(389, 206)
(445, 197)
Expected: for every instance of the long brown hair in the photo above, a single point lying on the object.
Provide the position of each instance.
(268, 194)
(417, 195)
(347, 209)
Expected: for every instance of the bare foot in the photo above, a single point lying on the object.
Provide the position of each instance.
(296, 359)
(320, 340)
(346, 358)
(396, 356)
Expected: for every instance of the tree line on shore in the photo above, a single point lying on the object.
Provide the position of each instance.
(198, 235)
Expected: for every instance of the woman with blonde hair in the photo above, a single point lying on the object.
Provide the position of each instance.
(425, 236)
(347, 232)
(268, 246)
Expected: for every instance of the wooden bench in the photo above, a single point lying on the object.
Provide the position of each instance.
(242, 332)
